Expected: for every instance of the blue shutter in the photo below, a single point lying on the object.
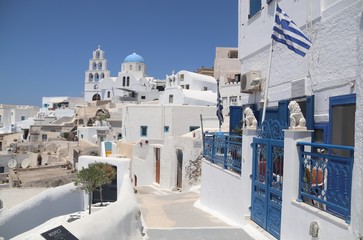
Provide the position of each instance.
(255, 7)
(284, 112)
(235, 117)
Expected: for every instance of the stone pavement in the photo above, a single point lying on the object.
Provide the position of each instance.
(172, 216)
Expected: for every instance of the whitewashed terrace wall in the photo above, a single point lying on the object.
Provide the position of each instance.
(42, 207)
(222, 192)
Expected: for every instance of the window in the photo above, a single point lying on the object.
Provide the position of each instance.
(22, 118)
(233, 54)
(143, 97)
(342, 120)
(130, 67)
(98, 54)
(81, 136)
(123, 81)
(320, 133)
(108, 94)
(182, 86)
(192, 128)
(143, 131)
(187, 86)
(166, 129)
(99, 65)
(181, 77)
(0, 118)
(94, 66)
(171, 98)
(128, 81)
(119, 136)
(255, 7)
(90, 77)
(97, 77)
(44, 137)
(205, 88)
(140, 68)
(102, 75)
(95, 86)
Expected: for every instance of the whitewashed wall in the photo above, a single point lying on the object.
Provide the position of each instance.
(222, 192)
(51, 203)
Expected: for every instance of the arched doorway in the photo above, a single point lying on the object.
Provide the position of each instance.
(96, 97)
(109, 192)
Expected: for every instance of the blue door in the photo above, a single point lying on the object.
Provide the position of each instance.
(267, 177)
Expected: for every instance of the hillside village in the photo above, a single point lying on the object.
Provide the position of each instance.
(271, 137)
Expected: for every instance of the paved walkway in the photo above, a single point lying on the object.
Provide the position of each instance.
(172, 215)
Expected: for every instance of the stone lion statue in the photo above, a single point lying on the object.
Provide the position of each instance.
(297, 119)
(250, 118)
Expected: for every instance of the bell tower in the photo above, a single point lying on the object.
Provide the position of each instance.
(97, 70)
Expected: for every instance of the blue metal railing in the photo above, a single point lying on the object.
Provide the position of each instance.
(325, 179)
(223, 150)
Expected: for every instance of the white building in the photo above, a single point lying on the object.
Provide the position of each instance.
(60, 106)
(131, 83)
(11, 115)
(189, 88)
(227, 69)
(327, 83)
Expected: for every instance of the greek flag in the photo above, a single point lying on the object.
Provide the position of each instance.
(287, 32)
(219, 106)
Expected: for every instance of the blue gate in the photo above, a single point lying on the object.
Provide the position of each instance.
(267, 177)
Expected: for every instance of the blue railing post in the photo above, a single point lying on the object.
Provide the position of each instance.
(301, 172)
(225, 152)
(213, 148)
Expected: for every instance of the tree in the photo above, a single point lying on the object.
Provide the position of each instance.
(89, 179)
(108, 174)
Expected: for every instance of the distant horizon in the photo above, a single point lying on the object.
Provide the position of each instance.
(46, 45)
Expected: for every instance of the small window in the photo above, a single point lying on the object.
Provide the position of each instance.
(94, 66)
(166, 129)
(140, 68)
(119, 136)
(181, 77)
(123, 81)
(143, 97)
(171, 98)
(22, 118)
(98, 54)
(99, 65)
(1, 116)
(187, 86)
(102, 75)
(130, 67)
(205, 88)
(192, 128)
(143, 131)
(108, 94)
(81, 136)
(128, 81)
(182, 86)
(233, 54)
(255, 7)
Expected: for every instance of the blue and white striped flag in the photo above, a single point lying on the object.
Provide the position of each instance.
(219, 106)
(287, 32)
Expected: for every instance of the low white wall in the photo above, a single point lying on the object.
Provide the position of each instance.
(222, 192)
(120, 220)
(40, 208)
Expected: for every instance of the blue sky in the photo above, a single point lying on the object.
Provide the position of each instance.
(45, 45)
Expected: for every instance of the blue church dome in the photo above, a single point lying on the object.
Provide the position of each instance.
(134, 58)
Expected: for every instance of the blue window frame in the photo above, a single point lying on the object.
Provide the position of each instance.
(321, 133)
(255, 7)
(143, 131)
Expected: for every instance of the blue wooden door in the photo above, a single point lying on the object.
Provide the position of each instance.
(267, 181)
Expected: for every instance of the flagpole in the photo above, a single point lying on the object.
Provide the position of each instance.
(268, 73)
(267, 83)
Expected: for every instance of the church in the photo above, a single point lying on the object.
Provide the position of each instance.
(131, 83)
